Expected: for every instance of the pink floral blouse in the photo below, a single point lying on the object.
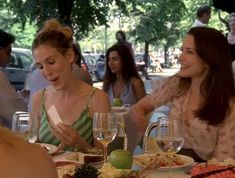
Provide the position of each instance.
(206, 140)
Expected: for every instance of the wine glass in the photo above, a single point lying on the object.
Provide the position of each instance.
(169, 138)
(104, 129)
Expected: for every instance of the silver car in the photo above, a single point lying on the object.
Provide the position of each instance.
(19, 67)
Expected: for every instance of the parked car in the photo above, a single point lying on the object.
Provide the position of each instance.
(90, 60)
(100, 68)
(19, 67)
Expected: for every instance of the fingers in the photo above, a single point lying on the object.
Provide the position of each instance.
(66, 134)
(61, 146)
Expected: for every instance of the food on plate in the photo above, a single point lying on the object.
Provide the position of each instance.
(121, 159)
(93, 150)
(85, 158)
(227, 161)
(215, 169)
(86, 171)
(212, 171)
(164, 160)
(108, 171)
(65, 167)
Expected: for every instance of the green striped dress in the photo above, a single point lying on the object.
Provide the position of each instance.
(83, 125)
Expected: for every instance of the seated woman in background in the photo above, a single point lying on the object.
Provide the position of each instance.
(121, 79)
(231, 35)
(74, 100)
(21, 159)
(201, 95)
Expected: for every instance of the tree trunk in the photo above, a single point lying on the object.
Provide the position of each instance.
(166, 56)
(146, 53)
(64, 10)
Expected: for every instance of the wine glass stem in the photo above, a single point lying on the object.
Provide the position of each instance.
(170, 166)
(105, 152)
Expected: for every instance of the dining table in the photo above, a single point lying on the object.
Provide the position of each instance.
(130, 132)
(158, 173)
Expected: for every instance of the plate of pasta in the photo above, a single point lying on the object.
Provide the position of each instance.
(178, 161)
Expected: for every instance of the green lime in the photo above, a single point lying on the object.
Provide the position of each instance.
(121, 159)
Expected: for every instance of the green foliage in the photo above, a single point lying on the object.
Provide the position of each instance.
(85, 14)
(159, 22)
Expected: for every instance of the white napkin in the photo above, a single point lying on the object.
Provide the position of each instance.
(54, 115)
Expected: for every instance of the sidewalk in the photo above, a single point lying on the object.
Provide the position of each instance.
(166, 73)
(153, 76)
(159, 75)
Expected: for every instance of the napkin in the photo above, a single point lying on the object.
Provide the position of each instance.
(54, 115)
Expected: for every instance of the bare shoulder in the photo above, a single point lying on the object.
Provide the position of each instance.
(36, 102)
(136, 81)
(100, 101)
(38, 95)
(41, 160)
(100, 93)
(15, 151)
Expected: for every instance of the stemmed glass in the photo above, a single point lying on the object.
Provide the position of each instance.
(169, 138)
(104, 129)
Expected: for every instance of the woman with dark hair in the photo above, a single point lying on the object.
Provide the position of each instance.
(121, 79)
(231, 35)
(201, 95)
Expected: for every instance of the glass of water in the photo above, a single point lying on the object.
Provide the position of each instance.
(169, 138)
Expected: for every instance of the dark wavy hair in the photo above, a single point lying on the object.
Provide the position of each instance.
(6, 38)
(202, 10)
(218, 86)
(128, 66)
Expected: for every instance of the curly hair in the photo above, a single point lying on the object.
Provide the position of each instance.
(55, 35)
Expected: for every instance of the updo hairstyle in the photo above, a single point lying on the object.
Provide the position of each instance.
(55, 35)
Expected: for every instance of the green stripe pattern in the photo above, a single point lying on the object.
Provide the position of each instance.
(83, 125)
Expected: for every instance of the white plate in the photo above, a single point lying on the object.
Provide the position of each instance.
(48, 147)
(188, 161)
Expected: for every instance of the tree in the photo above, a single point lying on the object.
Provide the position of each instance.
(159, 22)
(82, 15)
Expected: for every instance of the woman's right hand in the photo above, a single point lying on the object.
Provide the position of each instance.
(69, 136)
